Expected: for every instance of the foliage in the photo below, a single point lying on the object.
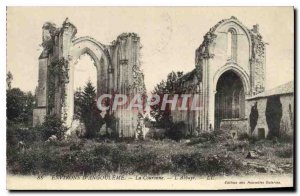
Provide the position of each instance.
(243, 136)
(57, 78)
(285, 137)
(77, 103)
(156, 134)
(19, 106)
(149, 158)
(177, 131)
(139, 128)
(285, 152)
(110, 121)
(88, 111)
(171, 87)
(9, 78)
(52, 125)
(253, 117)
(273, 116)
(18, 132)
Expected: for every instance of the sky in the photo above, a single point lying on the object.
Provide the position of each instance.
(169, 35)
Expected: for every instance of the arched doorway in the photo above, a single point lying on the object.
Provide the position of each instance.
(229, 98)
(81, 47)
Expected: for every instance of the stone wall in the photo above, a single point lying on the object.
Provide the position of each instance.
(287, 119)
(42, 83)
(235, 125)
(118, 71)
(213, 59)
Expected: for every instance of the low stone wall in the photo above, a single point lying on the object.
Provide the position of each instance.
(235, 126)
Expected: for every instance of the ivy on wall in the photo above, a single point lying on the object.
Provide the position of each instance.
(58, 77)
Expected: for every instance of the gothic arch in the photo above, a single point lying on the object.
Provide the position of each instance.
(234, 24)
(90, 46)
(61, 50)
(236, 69)
(97, 51)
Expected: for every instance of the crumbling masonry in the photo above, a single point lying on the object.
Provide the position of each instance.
(118, 71)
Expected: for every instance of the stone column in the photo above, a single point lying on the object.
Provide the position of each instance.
(67, 33)
(40, 111)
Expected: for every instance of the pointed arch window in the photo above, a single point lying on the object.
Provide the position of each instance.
(232, 44)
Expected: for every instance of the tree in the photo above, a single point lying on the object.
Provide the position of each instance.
(170, 86)
(15, 104)
(9, 78)
(273, 116)
(52, 125)
(110, 121)
(77, 103)
(253, 117)
(89, 113)
(19, 106)
(29, 106)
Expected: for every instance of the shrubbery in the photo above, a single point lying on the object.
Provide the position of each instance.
(52, 125)
(243, 136)
(176, 131)
(46, 158)
(17, 133)
(286, 151)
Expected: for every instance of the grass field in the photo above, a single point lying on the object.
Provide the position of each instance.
(208, 154)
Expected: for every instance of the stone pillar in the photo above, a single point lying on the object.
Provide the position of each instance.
(70, 95)
(130, 79)
(206, 94)
(67, 33)
(40, 112)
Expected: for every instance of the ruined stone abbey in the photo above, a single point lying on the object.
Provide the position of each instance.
(118, 71)
(230, 68)
(229, 76)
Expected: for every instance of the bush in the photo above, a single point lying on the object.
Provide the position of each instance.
(156, 134)
(253, 139)
(243, 136)
(189, 163)
(286, 138)
(196, 163)
(237, 145)
(176, 131)
(284, 152)
(206, 136)
(52, 125)
(220, 136)
(148, 157)
(17, 133)
(28, 163)
(76, 146)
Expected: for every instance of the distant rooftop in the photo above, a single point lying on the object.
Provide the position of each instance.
(287, 88)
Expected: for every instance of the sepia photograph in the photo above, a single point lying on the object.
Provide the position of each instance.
(150, 98)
